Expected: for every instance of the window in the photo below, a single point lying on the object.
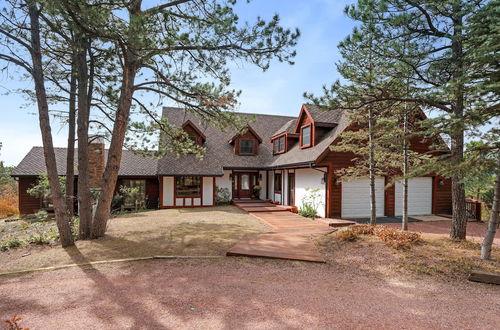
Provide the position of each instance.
(277, 182)
(188, 186)
(306, 136)
(282, 143)
(279, 144)
(245, 182)
(246, 147)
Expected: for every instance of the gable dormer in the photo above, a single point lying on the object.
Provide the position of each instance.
(305, 127)
(313, 123)
(194, 133)
(284, 138)
(246, 144)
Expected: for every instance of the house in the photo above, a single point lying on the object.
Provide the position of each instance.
(284, 155)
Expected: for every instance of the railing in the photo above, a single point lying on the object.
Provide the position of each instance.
(473, 209)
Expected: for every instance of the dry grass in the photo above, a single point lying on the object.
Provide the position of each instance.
(207, 231)
(438, 257)
(390, 236)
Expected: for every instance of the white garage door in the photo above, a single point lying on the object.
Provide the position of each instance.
(419, 196)
(356, 198)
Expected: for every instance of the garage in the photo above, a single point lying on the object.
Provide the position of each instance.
(419, 196)
(356, 198)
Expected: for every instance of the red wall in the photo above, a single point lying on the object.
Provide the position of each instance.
(29, 204)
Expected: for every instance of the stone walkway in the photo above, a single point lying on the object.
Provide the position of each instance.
(289, 239)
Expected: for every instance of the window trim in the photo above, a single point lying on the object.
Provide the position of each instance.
(302, 145)
(176, 195)
(276, 175)
(252, 153)
(276, 140)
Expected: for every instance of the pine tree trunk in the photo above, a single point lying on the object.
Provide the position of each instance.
(110, 175)
(373, 205)
(404, 225)
(494, 218)
(84, 196)
(459, 217)
(60, 209)
(70, 158)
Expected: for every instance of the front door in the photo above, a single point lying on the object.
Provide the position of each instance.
(291, 189)
(243, 184)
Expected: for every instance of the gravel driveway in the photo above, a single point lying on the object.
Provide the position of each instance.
(244, 294)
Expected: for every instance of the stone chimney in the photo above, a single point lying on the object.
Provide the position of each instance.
(96, 162)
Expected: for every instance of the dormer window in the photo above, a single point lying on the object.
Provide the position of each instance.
(305, 136)
(247, 147)
(279, 144)
(247, 143)
(194, 134)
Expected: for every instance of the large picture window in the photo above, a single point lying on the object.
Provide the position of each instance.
(246, 147)
(277, 182)
(306, 136)
(188, 186)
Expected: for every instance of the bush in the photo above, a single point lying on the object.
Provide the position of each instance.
(222, 196)
(308, 211)
(9, 244)
(8, 201)
(310, 203)
(392, 237)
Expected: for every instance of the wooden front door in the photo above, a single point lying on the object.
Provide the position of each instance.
(243, 184)
(291, 189)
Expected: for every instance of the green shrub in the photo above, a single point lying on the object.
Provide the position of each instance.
(311, 202)
(308, 211)
(11, 243)
(222, 196)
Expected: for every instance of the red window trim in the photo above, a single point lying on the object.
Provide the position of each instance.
(276, 138)
(311, 134)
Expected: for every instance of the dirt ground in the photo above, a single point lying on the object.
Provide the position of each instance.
(196, 232)
(240, 293)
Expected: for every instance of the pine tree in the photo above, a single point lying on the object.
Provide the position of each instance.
(443, 71)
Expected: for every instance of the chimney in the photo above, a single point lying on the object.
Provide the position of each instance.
(96, 162)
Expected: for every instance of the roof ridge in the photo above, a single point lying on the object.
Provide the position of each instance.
(242, 113)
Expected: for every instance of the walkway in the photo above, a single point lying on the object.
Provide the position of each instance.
(289, 239)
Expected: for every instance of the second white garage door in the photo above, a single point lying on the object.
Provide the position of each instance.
(356, 198)
(419, 196)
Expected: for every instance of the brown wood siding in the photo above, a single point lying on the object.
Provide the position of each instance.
(442, 198)
(247, 136)
(194, 134)
(335, 161)
(27, 204)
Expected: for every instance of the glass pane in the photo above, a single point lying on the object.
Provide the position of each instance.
(306, 136)
(245, 182)
(246, 147)
(282, 143)
(188, 186)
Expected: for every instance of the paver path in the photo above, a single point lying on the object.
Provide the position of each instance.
(289, 239)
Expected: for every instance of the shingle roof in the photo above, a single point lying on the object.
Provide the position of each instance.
(219, 152)
(131, 164)
(288, 127)
(322, 116)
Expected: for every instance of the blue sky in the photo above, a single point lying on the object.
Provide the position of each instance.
(276, 91)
